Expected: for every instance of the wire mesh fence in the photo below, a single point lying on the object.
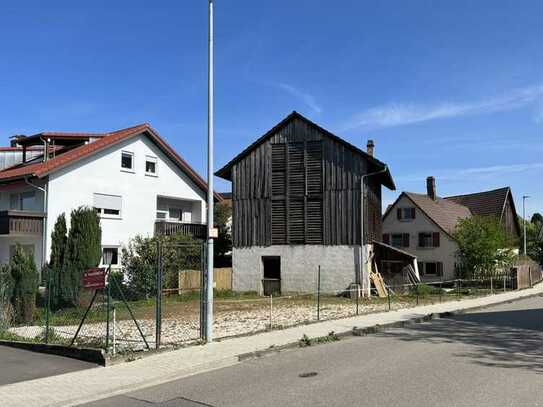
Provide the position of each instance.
(114, 318)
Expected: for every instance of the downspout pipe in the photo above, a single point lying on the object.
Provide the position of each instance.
(362, 207)
(44, 231)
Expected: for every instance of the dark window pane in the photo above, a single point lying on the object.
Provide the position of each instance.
(126, 161)
(150, 167)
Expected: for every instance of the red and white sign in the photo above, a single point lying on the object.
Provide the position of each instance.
(94, 278)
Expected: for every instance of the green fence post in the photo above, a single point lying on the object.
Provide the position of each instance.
(47, 311)
(319, 294)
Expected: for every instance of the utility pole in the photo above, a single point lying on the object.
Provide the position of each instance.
(210, 225)
(524, 197)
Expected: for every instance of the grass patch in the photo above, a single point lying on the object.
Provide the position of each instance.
(306, 341)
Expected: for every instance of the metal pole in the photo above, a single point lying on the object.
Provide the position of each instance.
(319, 294)
(504, 287)
(158, 299)
(357, 297)
(209, 293)
(524, 197)
(491, 286)
(271, 310)
(47, 315)
(388, 297)
(108, 306)
(114, 335)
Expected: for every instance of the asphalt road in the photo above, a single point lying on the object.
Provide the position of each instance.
(17, 365)
(493, 357)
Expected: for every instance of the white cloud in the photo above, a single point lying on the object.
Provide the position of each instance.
(474, 173)
(307, 98)
(399, 114)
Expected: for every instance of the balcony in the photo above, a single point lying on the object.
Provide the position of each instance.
(21, 222)
(167, 228)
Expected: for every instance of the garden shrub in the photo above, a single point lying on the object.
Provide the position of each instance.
(139, 262)
(26, 280)
(6, 293)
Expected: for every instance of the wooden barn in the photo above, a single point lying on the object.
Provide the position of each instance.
(296, 200)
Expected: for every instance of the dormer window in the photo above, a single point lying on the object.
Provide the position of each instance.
(127, 161)
(406, 214)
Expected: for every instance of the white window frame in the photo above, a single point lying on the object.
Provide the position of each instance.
(150, 158)
(132, 155)
(118, 256)
(102, 211)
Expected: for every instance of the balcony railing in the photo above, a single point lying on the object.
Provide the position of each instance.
(21, 223)
(196, 230)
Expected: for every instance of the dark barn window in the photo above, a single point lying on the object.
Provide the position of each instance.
(297, 214)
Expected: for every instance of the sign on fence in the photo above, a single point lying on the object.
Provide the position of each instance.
(94, 278)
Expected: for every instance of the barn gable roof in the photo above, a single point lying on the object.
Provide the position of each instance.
(225, 171)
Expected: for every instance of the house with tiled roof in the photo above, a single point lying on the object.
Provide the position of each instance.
(424, 225)
(135, 180)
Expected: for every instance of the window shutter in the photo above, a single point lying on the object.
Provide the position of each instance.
(386, 238)
(314, 222)
(421, 239)
(314, 168)
(399, 213)
(279, 222)
(440, 269)
(296, 224)
(279, 168)
(405, 239)
(435, 239)
(413, 213)
(296, 169)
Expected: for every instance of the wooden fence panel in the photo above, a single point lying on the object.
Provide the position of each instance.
(190, 279)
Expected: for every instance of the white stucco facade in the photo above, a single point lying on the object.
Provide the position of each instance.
(445, 253)
(135, 191)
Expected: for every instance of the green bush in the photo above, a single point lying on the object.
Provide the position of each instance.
(139, 262)
(26, 279)
(425, 290)
(6, 293)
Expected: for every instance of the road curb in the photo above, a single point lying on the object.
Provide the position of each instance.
(85, 354)
(379, 328)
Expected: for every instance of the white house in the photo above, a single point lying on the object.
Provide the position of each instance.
(424, 225)
(134, 179)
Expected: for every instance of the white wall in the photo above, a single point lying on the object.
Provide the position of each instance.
(445, 253)
(75, 185)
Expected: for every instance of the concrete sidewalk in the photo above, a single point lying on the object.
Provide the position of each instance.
(84, 386)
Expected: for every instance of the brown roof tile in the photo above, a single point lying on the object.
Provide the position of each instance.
(488, 203)
(443, 212)
(42, 169)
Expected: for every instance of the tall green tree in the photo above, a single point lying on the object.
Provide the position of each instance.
(58, 283)
(484, 247)
(26, 279)
(83, 250)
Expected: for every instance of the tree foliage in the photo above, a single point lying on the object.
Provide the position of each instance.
(57, 282)
(223, 244)
(83, 251)
(26, 279)
(6, 294)
(534, 244)
(484, 247)
(537, 219)
(140, 260)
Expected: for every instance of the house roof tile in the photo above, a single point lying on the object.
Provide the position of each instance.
(42, 169)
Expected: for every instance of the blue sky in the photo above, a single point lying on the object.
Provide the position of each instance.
(452, 89)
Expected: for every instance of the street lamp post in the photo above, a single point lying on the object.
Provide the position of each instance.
(524, 197)
(209, 285)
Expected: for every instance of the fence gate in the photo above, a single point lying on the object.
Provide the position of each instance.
(180, 279)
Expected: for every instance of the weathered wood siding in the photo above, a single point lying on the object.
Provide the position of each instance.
(509, 218)
(341, 169)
